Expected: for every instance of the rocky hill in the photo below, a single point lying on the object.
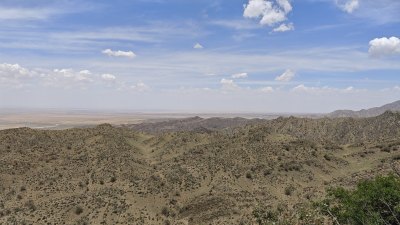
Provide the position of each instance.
(395, 107)
(193, 124)
(116, 175)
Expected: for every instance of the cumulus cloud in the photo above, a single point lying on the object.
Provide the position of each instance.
(70, 74)
(119, 53)
(288, 75)
(67, 78)
(198, 46)
(14, 71)
(384, 46)
(267, 89)
(228, 84)
(268, 11)
(284, 27)
(239, 75)
(108, 77)
(285, 5)
(348, 5)
(15, 75)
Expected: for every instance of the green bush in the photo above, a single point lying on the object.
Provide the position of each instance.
(372, 202)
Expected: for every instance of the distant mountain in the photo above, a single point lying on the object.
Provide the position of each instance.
(395, 107)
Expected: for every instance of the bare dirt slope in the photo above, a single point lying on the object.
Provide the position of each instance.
(110, 175)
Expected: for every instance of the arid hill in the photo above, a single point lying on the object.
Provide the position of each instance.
(117, 175)
(197, 124)
(394, 106)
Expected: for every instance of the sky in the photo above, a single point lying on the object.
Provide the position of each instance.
(198, 56)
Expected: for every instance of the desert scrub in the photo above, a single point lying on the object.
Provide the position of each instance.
(78, 210)
(165, 211)
(327, 157)
(289, 190)
(374, 201)
(304, 214)
(248, 175)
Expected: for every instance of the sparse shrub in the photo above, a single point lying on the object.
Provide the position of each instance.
(371, 202)
(30, 205)
(267, 172)
(113, 179)
(23, 188)
(78, 210)
(304, 214)
(165, 211)
(249, 176)
(265, 216)
(327, 157)
(289, 190)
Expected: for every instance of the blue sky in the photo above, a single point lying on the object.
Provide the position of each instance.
(200, 55)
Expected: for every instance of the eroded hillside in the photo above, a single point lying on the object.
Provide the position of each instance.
(109, 175)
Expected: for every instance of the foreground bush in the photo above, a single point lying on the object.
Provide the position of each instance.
(373, 202)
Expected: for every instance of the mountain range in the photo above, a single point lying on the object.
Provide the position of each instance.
(394, 106)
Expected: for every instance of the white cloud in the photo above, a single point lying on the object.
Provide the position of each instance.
(236, 24)
(32, 13)
(228, 84)
(285, 5)
(267, 89)
(15, 75)
(325, 89)
(288, 75)
(384, 46)
(140, 87)
(67, 78)
(108, 77)
(256, 8)
(397, 88)
(348, 5)
(270, 12)
(239, 75)
(119, 53)
(284, 27)
(349, 89)
(41, 10)
(198, 46)
(14, 71)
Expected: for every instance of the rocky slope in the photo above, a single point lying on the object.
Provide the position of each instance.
(197, 124)
(110, 175)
